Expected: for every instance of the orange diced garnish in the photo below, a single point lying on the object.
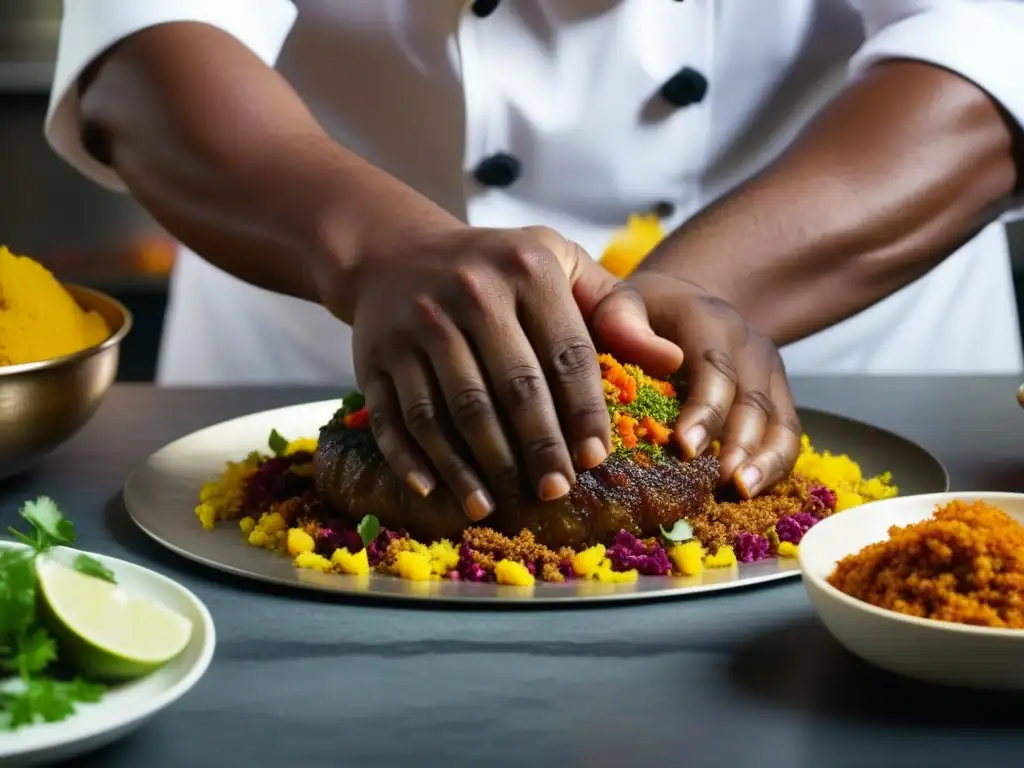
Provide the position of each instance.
(656, 433)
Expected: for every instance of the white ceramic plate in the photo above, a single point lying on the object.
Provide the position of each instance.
(161, 498)
(124, 707)
(933, 651)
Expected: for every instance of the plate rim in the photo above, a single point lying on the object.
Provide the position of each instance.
(947, 480)
(953, 627)
(57, 739)
(511, 600)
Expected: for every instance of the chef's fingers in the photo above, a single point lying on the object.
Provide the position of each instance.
(781, 445)
(391, 436)
(468, 398)
(712, 389)
(426, 418)
(748, 418)
(556, 330)
(615, 311)
(518, 382)
(611, 307)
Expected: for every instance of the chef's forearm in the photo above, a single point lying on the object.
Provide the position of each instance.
(902, 168)
(225, 155)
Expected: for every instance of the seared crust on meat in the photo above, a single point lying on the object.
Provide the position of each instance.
(636, 494)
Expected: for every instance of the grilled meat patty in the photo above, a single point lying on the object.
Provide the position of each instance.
(635, 494)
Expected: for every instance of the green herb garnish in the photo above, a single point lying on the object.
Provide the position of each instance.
(45, 699)
(681, 531)
(278, 445)
(352, 402)
(27, 649)
(649, 402)
(52, 529)
(368, 529)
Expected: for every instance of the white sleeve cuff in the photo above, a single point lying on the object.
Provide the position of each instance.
(90, 27)
(981, 42)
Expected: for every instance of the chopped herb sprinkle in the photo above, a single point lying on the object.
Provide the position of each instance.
(643, 410)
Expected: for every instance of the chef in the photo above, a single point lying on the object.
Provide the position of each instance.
(434, 173)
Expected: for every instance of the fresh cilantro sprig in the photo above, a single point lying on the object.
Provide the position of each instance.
(27, 649)
(52, 529)
(46, 700)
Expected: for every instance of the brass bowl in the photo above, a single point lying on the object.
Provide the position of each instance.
(43, 404)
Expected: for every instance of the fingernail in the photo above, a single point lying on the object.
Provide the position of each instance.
(478, 506)
(694, 439)
(591, 453)
(749, 477)
(553, 485)
(420, 483)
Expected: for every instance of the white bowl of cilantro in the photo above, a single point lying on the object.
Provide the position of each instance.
(90, 646)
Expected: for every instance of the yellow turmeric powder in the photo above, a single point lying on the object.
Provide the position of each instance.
(39, 320)
(631, 245)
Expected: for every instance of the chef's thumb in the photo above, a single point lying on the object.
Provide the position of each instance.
(612, 308)
(616, 314)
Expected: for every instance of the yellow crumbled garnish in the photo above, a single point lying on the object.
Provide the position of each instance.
(414, 566)
(271, 523)
(725, 557)
(313, 562)
(788, 549)
(222, 498)
(604, 573)
(269, 532)
(207, 516)
(355, 565)
(302, 444)
(843, 475)
(847, 500)
(409, 545)
(512, 573)
(585, 563)
(688, 558)
(443, 557)
(299, 541)
(247, 524)
(631, 245)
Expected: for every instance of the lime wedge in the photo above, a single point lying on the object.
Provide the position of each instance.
(104, 632)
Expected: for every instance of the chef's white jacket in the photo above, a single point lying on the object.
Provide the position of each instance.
(574, 114)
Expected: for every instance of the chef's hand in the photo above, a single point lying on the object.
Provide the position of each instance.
(738, 392)
(475, 359)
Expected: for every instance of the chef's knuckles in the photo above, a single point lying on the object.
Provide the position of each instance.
(737, 390)
(487, 315)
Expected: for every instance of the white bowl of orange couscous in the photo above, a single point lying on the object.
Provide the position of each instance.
(930, 587)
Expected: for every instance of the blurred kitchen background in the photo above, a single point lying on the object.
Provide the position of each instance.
(81, 232)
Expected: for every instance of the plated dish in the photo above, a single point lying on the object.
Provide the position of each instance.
(929, 586)
(333, 505)
(162, 495)
(90, 646)
(334, 517)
